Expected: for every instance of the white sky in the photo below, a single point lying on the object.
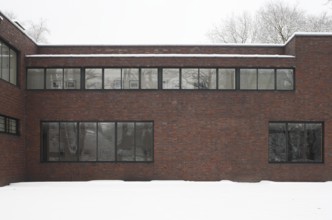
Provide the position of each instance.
(135, 21)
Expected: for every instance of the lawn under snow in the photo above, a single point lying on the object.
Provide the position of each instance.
(169, 200)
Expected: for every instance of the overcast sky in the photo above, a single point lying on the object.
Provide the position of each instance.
(135, 21)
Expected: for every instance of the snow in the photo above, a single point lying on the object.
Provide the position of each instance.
(164, 55)
(165, 200)
(309, 34)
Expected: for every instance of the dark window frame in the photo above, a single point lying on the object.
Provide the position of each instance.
(7, 129)
(9, 67)
(43, 151)
(160, 78)
(287, 137)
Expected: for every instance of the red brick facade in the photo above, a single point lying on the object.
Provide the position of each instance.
(198, 135)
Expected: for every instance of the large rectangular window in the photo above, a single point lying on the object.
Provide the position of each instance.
(9, 125)
(296, 142)
(97, 141)
(8, 64)
(54, 78)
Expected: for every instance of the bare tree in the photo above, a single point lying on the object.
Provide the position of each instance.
(36, 30)
(275, 22)
(235, 29)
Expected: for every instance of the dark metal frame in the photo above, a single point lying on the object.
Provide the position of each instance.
(17, 63)
(6, 126)
(160, 78)
(43, 152)
(297, 122)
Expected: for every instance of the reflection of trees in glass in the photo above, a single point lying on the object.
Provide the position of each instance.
(130, 79)
(149, 78)
(285, 80)
(93, 78)
(68, 141)
(87, 141)
(295, 142)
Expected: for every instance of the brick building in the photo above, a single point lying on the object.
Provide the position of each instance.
(155, 112)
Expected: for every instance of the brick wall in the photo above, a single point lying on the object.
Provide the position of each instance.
(12, 103)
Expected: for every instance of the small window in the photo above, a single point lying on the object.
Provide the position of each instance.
(5, 62)
(68, 141)
(189, 78)
(248, 79)
(8, 125)
(207, 79)
(72, 78)
(296, 142)
(35, 79)
(93, 78)
(149, 78)
(130, 79)
(126, 141)
(13, 67)
(112, 79)
(8, 64)
(266, 79)
(285, 79)
(54, 78)
(171, 79)
(226, 79)
(106, 141)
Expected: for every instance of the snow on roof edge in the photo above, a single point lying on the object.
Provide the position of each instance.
(309, 34)
(19, 28)
(162, 55)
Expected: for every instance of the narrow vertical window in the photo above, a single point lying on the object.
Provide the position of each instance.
(144, 141)
(5, 62)
(13, 67)
(106, 141)
(68, 141)
(266, 79)
(189, 78)
(125, 141)
(2, 124)
(226, 79)
(51, 144)
(87, 141)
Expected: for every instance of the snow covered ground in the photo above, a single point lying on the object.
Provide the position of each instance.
(169, 200)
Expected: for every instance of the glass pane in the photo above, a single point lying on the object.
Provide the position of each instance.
(296, 148)
(226, 79)
(72, 78)
(207, 78)
(277, 142)
(93, 79)
(54, 78)
(125, 141)
(144, 141)
(106, 141)
(189, 79)
(35, 78)
(314, 142)
(88, 141)
(68, 141)
(266, 79)
(130, 79)
(2, 124)
(5, 62)
(51, 141)
(285, 79)
(112, 78)
(248, 78)
(12, 126)
(149, 78)
(171, 79)
(13, 67)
